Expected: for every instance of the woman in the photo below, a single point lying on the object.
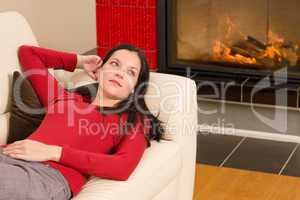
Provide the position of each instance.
(104, 135)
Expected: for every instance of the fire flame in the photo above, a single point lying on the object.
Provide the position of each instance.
(274, 50)
(223, 53)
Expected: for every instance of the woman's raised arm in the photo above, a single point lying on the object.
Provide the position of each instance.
(35, 62)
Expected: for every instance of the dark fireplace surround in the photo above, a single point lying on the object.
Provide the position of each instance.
(277, 84)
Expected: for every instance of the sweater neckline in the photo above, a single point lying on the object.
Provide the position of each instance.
(101, 109)
(104, 109)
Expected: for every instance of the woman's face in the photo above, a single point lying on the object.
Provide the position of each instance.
(119, 75)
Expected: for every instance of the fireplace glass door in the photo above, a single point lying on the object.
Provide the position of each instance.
(240, 34)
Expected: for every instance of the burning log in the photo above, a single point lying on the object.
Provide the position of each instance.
(253, 47)
(246, 53)
(254, 52)
(249, 47)
(256, 42)
(270, 55)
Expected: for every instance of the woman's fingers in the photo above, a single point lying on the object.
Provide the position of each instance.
(13, 147)
(99, 61)
(16, 147)
(13, 151)
(92, 64)
(94, 59)
(17, 156)
(92, 75)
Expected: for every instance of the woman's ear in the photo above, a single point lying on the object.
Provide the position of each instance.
(97, 73)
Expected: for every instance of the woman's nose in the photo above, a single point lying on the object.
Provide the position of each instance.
(119, 74)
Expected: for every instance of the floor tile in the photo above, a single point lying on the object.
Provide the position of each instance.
(261, 155)
(293, 166)
(212, 149)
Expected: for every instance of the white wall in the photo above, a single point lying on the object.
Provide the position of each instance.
(64, 25)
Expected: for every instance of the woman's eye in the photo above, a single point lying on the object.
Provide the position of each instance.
(114, 63)
(132, 72)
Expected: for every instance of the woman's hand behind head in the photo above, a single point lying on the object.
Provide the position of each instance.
(91, 63)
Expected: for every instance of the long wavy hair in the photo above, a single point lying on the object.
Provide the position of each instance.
(135, 105)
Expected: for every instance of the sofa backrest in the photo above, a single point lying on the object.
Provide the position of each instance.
(14, 31)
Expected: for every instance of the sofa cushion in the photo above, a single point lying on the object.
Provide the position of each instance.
(87, 91)
(26, 110)
(4, 124)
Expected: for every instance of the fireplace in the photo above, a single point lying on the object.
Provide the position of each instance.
(247, 51)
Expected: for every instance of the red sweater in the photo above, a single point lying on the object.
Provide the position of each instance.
(91, 143)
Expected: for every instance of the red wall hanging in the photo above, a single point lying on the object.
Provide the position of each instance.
(127, 21)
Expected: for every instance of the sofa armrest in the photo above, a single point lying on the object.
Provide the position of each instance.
(182, 127)
(4, 127)
(159, 165)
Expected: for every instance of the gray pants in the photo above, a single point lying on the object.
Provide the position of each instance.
(27, 180)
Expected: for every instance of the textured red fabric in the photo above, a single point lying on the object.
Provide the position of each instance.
(127, 21)
(85, 152)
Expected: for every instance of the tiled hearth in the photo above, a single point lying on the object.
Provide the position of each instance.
(248, 153)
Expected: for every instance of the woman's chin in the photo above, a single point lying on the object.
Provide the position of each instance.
(115, 95)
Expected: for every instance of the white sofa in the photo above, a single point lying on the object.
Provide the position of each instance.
(166, 170)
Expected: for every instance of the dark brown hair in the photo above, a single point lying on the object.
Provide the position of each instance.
(135, 104)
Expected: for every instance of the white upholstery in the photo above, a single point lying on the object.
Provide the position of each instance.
(167, 169)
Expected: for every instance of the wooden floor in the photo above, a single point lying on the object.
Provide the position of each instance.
(220, 183)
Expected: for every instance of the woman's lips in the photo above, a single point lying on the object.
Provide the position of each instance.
(114, 81)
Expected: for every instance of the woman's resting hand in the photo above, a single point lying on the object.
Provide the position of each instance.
(32, 150)
(90, 63)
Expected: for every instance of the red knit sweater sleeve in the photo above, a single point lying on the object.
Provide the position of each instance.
(35, 62)
(117, 166)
